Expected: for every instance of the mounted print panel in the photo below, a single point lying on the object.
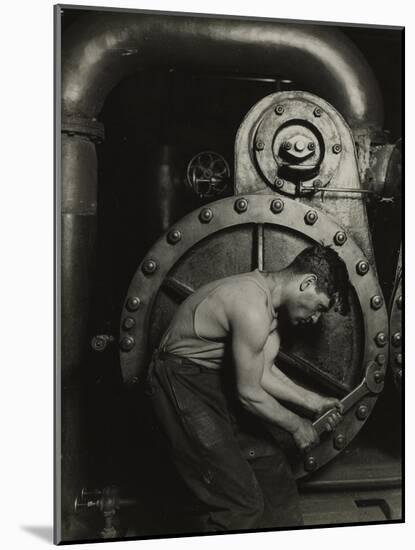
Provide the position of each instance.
(229, 352)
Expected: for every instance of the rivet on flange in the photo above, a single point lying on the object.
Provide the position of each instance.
(397, 339)
(206, 215)
(339, 442)
(340, 238)
(127, 343)
(133, 303)
(381, 359)
(380, 339)
(362, 412)
(362, 267)
(174, 236)
(311, 217)
(277, 206)
(376, 302)
(241, 205)
(128, 323)
(149, 266)
(310, 464)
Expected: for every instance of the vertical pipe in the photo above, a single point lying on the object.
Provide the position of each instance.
(78, 233)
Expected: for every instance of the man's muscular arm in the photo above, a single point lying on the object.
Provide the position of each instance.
(249, 328)
(280, 386)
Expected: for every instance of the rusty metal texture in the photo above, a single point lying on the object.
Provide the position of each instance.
(336, 169)
(219, 240)
(102, 49)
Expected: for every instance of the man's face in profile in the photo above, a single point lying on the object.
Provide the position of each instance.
(306, 303)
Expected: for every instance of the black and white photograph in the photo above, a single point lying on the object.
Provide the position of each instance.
(229, 294)
(206, 243)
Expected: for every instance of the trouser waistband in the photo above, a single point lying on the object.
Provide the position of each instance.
(183, 362)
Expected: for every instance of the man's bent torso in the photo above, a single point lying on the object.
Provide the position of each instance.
(200, 329)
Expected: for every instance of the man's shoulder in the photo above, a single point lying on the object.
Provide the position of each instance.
(250, 288)
(246, 298)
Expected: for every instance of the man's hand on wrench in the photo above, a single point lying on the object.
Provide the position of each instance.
(324, 404)
(306, 436)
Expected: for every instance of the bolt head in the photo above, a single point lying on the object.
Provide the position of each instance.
(241, 205)
(380, 339)
(376, 302)
(340, 238)
(174, 236)
(128, 323)
(279, 110)
(337, 148)
(205, 215)
(99, 343)
(362, 267)
(396, 339)
(339, 441)
(286, 145)
(311, 217)
(259, 145)
(127, 343)
(133, 303)
(362, 412)
(310, 464)
(317, 112)
(317, 184)
(398, 359)
(399, 302)
(311, 146)
(277, 206)
(278, 183)
(149, 266)
(299, 145)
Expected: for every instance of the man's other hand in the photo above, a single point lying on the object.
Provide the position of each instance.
(305, 436)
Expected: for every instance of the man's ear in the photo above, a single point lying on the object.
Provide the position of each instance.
(307, 281)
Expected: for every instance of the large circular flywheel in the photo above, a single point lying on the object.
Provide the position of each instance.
(236, 235)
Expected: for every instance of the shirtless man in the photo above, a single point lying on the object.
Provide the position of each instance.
(193, 384)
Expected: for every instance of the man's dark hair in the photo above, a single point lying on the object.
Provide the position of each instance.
(331, 273)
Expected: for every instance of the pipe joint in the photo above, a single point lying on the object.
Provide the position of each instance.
(81, 126)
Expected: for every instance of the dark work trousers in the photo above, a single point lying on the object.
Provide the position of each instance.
(238, 487)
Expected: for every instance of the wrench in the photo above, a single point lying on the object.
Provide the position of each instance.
(372, 383)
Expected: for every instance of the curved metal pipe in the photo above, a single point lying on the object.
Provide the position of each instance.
(103, 48)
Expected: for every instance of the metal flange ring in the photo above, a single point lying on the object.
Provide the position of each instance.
(396, 335)
(261, 210)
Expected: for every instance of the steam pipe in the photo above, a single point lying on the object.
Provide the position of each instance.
(104, 48)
